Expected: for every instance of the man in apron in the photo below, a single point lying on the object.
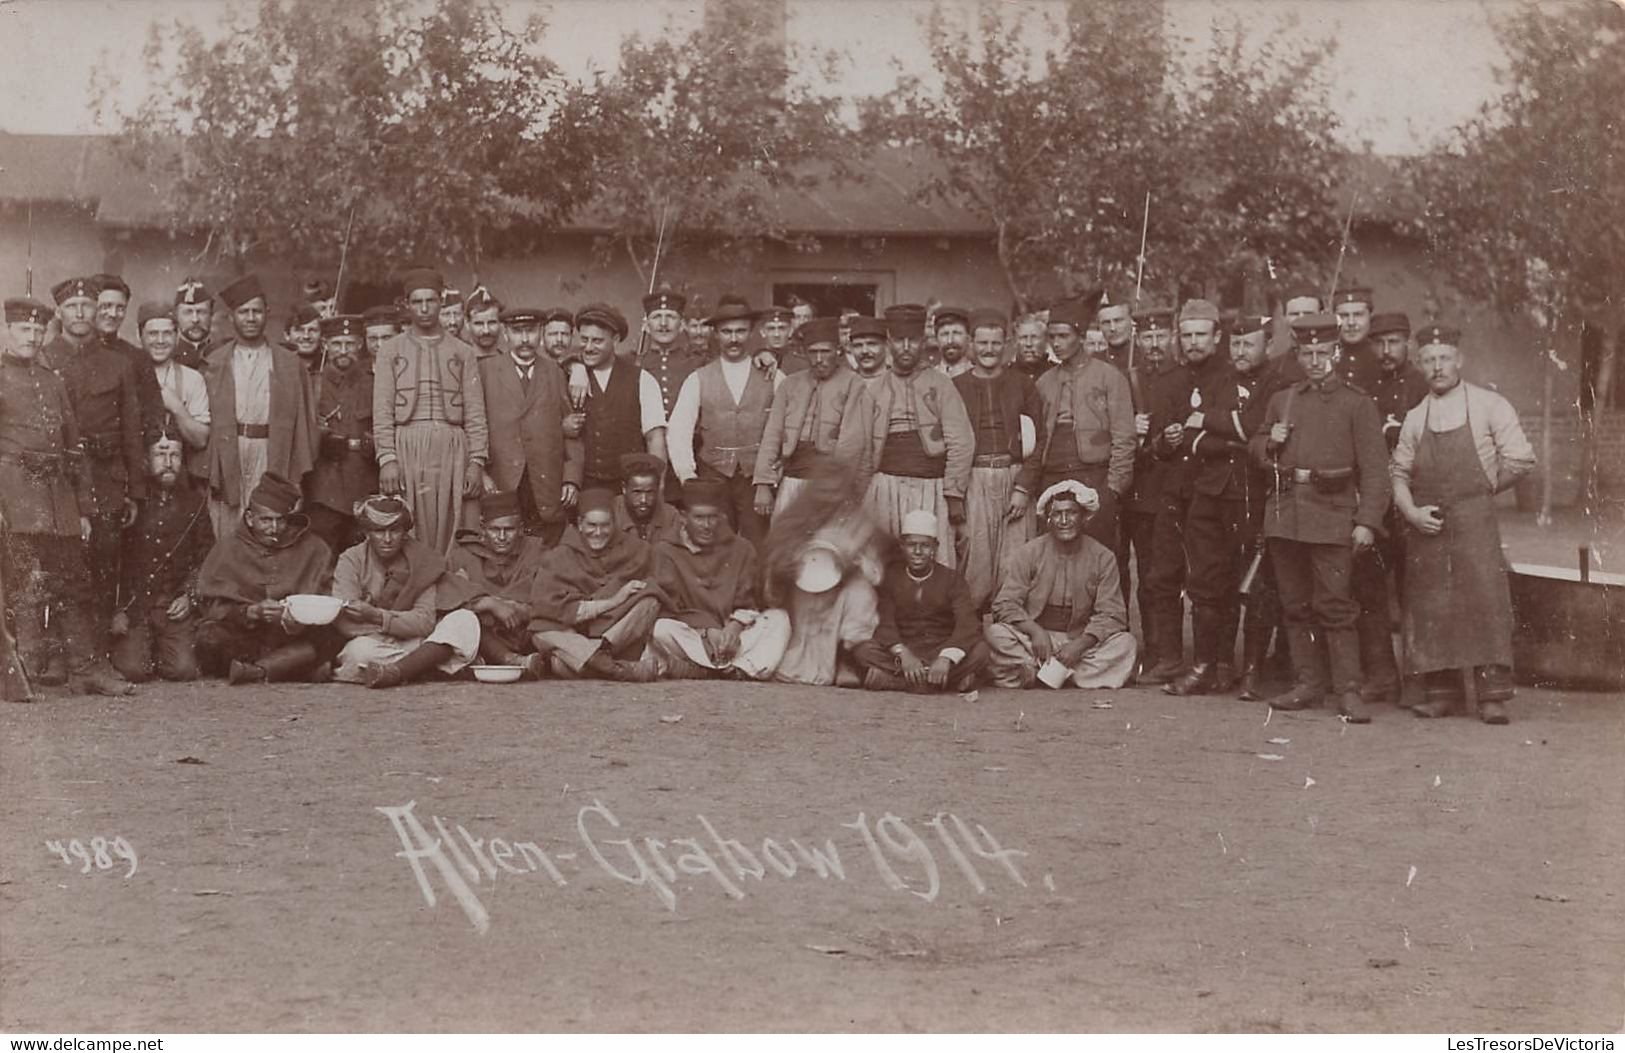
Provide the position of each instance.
(1457, 449)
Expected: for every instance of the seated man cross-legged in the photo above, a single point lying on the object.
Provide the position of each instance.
(592, 607)
(496, 566)
(390, 585)
(929, 638)
(1060, 598)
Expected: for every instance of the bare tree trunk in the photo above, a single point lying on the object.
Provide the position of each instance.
(1544, 516)
(1018, 300)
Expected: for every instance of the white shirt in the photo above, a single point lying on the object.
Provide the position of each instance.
(189, 385)
(685, 412)
(650, 405)
(251, 380)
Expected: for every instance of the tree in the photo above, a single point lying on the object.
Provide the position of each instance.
(693, 136)
(1059, 149)
(1524, 204)
(431, 125)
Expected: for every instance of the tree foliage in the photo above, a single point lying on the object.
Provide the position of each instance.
(1060, 148)
(1525, 203)
(432, 125)
(693, 136)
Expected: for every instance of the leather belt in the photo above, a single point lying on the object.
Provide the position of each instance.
(254, 431)
(992, 460)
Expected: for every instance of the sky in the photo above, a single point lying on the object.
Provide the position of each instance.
(1405, 72)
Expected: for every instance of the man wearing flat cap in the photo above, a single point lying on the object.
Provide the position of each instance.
(820, 416)
(1059, 605)
(106, 398)
(525, 409)
(346, 468)
(929, 638)
(719, 420)
(922, 440)
(1321, 444)
(402, 618)
(244, 630)
(43, 525)
(664, 351)
(263, 419)
(1088, 418)
(1005, 412)
(498, 564)
(428, 417)
(1456, 451)
(194, 315)
(625, 412)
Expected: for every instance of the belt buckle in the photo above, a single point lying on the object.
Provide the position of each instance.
(354, 444)
(1302, 476)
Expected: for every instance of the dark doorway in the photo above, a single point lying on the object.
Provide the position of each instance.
(829, 299)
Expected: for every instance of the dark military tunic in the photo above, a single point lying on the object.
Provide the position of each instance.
(41, 489)
(104, 393)
(672, 367)
(346, 470)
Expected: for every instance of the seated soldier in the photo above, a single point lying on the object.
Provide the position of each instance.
(497, 567)
(390, 585)
(163, 550)
(929, 638)
(245, 632)
(1060, 598)
(707, 575)
(592, 606)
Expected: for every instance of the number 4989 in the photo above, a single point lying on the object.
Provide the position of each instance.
(100, 855)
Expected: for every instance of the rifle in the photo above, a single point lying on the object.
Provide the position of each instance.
(1342, 248)
(654, 273)
(28, 276)
(14, 686)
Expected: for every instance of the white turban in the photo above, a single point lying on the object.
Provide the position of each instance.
(1084, 495)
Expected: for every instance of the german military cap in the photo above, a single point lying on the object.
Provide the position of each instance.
(343, 325)
(1115, 297)
(1301, 291)
(1434, 333)
(820, 331)
(1318, 328)
(664, 300)
(481, 299)
(416, 278)
(605, 316)
(1390, 322)
(70, 288)
(1154, 318)
(450, 297)
(987, 318)
(192, 291)
(522, 316)
(1199, 311)
(26, 309)
(242, 290)
(559, 314)
(1243, 324)
(953, 314)
(775, 313)
(111, 281)
(1353, 294)
(152, 310)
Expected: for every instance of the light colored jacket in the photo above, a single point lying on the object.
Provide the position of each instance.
(395, 391)
(1498, 437)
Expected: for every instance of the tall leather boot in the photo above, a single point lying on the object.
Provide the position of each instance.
(1201, 678)
(1343, 646)
(1310, 678)
(414, 663)
(1254, 642)
(1170, 636)
(1379, 672)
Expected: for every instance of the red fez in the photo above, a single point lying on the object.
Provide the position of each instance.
(274, 493)
(705, 492)
(241, 291)
(605, 317)
(498, 505)
(422, 278)
(73, 288)
(820, 331)
(1075, 313)
(595, 500)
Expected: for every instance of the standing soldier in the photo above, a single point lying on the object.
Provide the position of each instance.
(923, 442)
(525, 408)
(773, 326)
(112, 305)
(718, 421)
(1001, 402)
(1088, 419)
(346, 470)
(1116, 323)
(1322, 445)
(1300, 299)
(819, 415)
(194, 315)
(625, 413)
(1457, 450)
(103, 392)
(452, 313)
(1137, 529)
(669, 357)
(263, 419)
(428, 417)
(41, 523)
(1032, 347)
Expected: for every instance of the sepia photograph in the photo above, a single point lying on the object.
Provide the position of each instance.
(878, 517)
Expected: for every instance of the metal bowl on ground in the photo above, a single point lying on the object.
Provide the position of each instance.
(310, 609)
(497, 674)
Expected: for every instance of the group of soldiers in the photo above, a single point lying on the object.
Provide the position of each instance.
(925, 500)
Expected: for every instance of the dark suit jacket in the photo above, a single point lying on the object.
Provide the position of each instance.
(527, 430)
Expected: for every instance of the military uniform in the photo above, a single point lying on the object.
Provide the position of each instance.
(163, 550)
(1329, 476)
(187, 353)
(41, 494)
(346, 470)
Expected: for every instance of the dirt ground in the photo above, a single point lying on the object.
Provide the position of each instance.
(1129, 862)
